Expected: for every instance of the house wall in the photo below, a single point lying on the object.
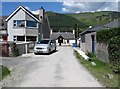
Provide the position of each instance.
(88, 41)
(65, 42)
(83, 46)
(20, 31)
(15, 31)
(71, 41)
(102, 52)
(82, 43)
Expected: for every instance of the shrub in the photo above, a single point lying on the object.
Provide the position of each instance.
(112, 38)
(103, 36)
(5, 71)
(114, 53)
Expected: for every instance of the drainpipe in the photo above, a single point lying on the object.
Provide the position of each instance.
(25, 39)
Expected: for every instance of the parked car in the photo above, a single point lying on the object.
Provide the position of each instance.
(45, 46)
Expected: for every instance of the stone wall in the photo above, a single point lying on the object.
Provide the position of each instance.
(102, 52)
(4, 49)
(22, 47)
(12, 49)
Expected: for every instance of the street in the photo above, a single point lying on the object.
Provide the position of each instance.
(59, 69)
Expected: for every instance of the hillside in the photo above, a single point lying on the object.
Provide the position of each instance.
(66, 22)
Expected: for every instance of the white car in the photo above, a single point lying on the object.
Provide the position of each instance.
(45, 46)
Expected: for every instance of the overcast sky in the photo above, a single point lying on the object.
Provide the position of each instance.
(62, 7)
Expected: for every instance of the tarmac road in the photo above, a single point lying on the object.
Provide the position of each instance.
(59, 69)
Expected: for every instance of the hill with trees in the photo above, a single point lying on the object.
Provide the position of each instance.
(67, 22)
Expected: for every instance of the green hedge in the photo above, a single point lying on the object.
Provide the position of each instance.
(111, 37)
(104, 36)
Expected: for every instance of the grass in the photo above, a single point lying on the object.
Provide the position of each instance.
(4, 71)
(99, 71)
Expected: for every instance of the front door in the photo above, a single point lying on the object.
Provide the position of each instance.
(93, 43)
(60, 40)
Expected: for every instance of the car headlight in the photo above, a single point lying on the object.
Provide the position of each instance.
(45, 49)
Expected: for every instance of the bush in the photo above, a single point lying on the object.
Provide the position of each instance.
(5, 71)
(91, 56)
(112, 38)
(114, 53)
(104, 36)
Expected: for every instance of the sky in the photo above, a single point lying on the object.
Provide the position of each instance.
(60, 7)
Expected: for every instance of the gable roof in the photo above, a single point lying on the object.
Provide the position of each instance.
(25, 10)
(112, 24)
(65, 35)
(93, 29)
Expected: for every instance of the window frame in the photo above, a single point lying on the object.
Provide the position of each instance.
(16, 25)
(31, 26)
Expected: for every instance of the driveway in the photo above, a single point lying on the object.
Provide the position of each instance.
(60, 69)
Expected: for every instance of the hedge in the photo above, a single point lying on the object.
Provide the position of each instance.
(104, 36)
(111, 37)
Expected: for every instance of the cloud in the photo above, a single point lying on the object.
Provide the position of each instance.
(110, 6)
(34, 12)
(77, 7)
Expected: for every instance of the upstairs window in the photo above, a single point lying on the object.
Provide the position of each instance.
(19, 23)
(31, 24)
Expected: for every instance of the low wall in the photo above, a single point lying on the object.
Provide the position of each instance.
(11, 49)
(4, 51)
(22, 47)
(102, 52)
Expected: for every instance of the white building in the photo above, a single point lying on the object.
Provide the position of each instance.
(66, 38)
(22, 25)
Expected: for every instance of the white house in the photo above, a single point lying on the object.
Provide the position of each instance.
(66, 38)
(22, 25)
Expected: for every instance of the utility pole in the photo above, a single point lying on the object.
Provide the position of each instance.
(76, 32)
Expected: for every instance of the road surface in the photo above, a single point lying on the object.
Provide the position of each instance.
(59, 69)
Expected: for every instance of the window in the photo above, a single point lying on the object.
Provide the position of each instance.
(23, 23)
(31, 24)
(43, 42)
(20, 38)
(19, 23)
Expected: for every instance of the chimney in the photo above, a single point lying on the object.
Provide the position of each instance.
(41, 14)
(73, 31)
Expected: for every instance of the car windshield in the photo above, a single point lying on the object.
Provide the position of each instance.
(43, 42)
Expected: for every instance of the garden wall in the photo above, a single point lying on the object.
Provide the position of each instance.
(102, 52)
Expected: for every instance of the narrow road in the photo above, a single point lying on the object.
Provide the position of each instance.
(60, 69)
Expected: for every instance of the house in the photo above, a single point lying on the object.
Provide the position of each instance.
(88, 40)
(3, 28)
(23, 25)
(66, 38)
